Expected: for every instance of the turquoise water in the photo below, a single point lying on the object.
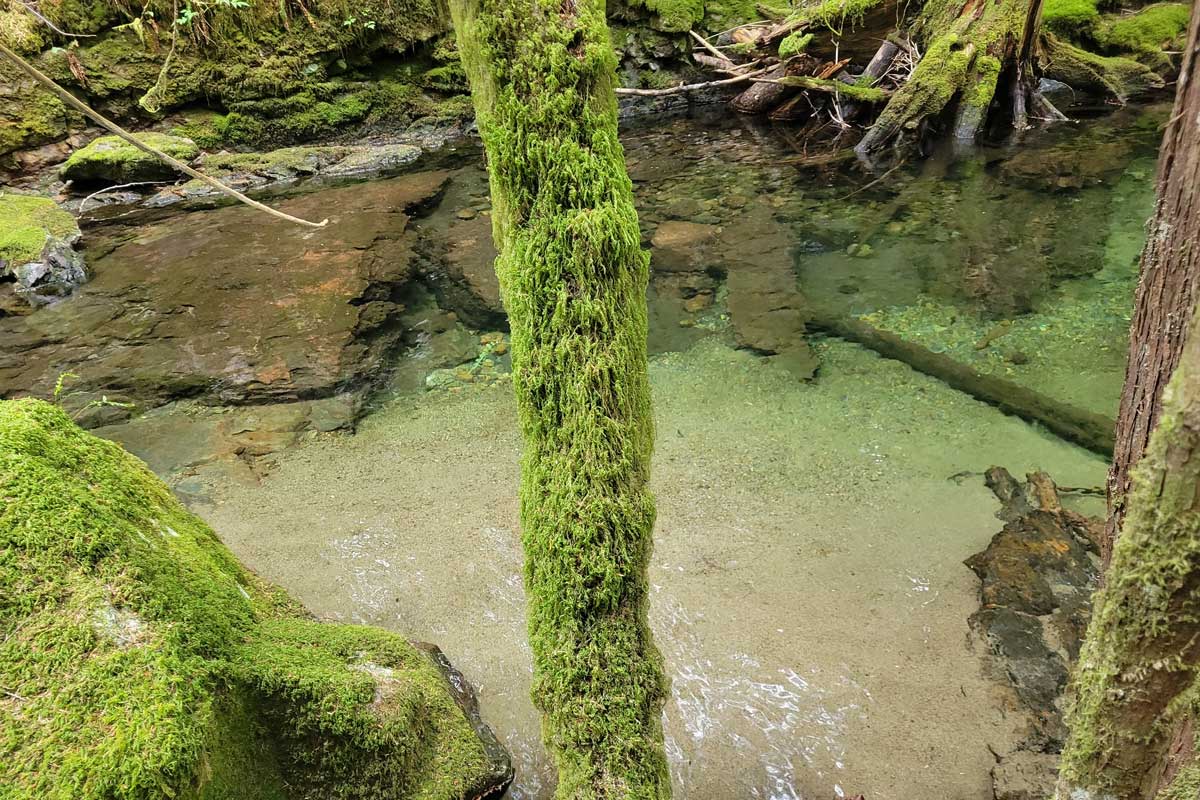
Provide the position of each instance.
(816, 500)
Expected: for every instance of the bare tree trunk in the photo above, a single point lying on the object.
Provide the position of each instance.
(1135, 682)
(1166, 293)
(573, 276)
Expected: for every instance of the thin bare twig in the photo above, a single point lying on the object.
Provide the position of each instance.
(704, 43)
(82, 107)
(690, 87)
(108, 189)
(32, 9)
(872, 183)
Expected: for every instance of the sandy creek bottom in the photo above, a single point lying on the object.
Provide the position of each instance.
(808, 587)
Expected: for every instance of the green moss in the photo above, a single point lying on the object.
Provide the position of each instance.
(25, 222)
(1147, 33)
(139, 660)
(1137, 669)
(676, 16)
(720, 15)
(987, 74)
(573, 276)
(1186, 785)
(836, 15)
(1120, 77)
(794, 44)
(1073, 19)
(114, 160)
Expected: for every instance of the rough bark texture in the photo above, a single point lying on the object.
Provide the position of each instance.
(1135, 676)
(970, 46)
(573, 276)
(1167, 290)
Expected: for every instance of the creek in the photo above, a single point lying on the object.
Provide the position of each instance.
(337, 404)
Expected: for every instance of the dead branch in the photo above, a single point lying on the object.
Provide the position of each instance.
(83, 108)
(690, 87)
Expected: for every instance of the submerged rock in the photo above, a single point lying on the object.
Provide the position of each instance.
(144, 661)
(37, 250)
(111, 159)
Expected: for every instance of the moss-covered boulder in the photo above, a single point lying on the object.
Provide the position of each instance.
(139, 659)
(111, 159)
(37, 248)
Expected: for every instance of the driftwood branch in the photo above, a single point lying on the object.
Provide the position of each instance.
(83, 108)
(690, 87)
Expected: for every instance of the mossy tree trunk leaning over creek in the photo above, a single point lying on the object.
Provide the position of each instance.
(573, 276)
(1136, 677)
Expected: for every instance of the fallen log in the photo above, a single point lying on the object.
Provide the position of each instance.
(1085, 428)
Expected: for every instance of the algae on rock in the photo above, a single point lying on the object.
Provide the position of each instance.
(139, 659)
(111, 159)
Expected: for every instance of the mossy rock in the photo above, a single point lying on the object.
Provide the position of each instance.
(111, 159)
(26, 223)
(37, 250)
(139, 659)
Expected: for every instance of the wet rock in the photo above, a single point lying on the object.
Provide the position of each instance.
(1025, 776)
(470, 263)
(37, 250)
(441, 379)
(177, 438)
(453, 347)
(698, 302)
(1036, 580)
(111, 159)
(39, 158)
(230, 306)
(679, 246)
(766, 309)
(1073, 165)
(1057, 92)
(493, 784)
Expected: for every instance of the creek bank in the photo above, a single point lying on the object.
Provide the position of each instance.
(39, 262)
(1036, 577)
(134, 615)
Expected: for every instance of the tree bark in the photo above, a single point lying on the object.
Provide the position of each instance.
(1142, 653)
(573, 277)
(1166, 292)
(1135, 682)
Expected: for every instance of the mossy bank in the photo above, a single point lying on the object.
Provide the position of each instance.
(259, 74)
(139, 659)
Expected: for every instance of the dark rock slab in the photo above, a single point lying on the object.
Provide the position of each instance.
(231, 306)
(1036, 576)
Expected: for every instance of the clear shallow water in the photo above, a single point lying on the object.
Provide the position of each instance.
(808, 590)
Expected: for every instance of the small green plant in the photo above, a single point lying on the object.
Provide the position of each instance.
(61, 384)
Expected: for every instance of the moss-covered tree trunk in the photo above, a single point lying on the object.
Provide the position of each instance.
(1166, 293)
(1135, 681)
(974, 49)
(573, 276)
